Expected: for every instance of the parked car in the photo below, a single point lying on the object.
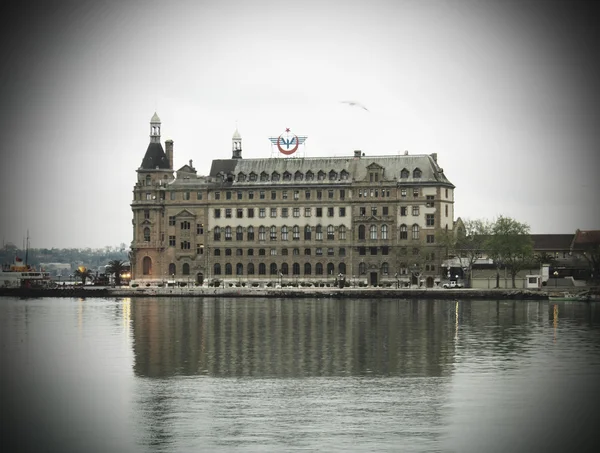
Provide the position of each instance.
(452, 284)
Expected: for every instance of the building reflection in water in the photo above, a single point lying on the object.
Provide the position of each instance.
(292, 338)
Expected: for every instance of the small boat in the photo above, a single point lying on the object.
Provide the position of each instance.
(570, 297)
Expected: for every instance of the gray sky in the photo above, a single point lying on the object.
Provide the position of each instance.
(505, 92)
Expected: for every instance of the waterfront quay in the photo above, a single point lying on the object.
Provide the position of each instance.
(287, 292)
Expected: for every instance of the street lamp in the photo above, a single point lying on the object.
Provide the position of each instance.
(397, 281)
(555, 279)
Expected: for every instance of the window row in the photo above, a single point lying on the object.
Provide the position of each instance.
(416, 173)
(275, 176)
(319, 251)
(279, 270)
(373, 232)
(283, 194)
(229, 213)
(283, 234)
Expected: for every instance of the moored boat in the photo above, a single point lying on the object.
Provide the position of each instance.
(570, 297)
(20, 275)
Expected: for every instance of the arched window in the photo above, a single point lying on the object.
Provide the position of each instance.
(284, 233)
(330, 234)
(403, 232)
(172, 269)
(330, 268)
(147, 266)
(262, 233)
(217, 269)
(239, 234)
(185, 270)
(217, 233)
(239, 269)
(273, 269)
(362, 268)
(404, 173)
(342, 232)
(384, 231)
(415, 231)
(385, 268)
(342, 268)
(228, 233)
(250, 232)
(361, 232)
(319, 269)
(296, 269)
(146, 234)
(273, 233)
(148, 180)
(307, 233)
(417, 173)
(296, 232)
(373, 232)
(252, 176)
(310, 175)
(262, 269)
(250, 269)
(275, 176)
(332, 175)
(285, 269)
(319, 233)
(228, 269)
(298, 176)
(307, 269)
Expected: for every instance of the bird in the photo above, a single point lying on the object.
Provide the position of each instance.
(355, 104)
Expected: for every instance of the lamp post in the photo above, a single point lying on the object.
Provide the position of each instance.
(555, 279)
(397, 281)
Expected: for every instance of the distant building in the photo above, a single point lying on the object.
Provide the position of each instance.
(370, 219)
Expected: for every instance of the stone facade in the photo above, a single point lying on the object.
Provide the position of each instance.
(370, 220)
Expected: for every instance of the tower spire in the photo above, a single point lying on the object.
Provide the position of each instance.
(236, 145)
(155, 129)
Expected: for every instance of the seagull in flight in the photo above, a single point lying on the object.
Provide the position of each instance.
(355, 104)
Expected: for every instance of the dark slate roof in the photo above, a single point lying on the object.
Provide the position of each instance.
(155, 157)
(552, 241)
(356, 167)
(585, 238)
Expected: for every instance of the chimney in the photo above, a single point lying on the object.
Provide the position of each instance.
(357, 153)
(434, 157)
(169, 152)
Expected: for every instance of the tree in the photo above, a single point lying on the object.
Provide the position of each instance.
(472, 242)
(511, 245)
(116, 267)
(83, 273)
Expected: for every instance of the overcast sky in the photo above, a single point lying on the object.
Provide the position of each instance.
(505, 92)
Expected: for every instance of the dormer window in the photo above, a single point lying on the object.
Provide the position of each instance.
(344, 175)
(275, 176)
(264, 176)
(287, 176)
(310, 175)
(252, 176)
(404, 173)
(332, 175)
(298, 176)
(241, 177)
(321, 175)
(417, 173)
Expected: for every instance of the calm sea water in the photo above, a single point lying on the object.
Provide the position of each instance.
(179, 375)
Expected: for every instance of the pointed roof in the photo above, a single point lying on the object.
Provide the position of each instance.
(155, 157)
(236, 135)
(155, 118)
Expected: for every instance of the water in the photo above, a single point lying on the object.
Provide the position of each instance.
(179, 375)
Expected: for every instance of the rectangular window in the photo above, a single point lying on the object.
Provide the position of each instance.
(415, 210)
(319, 251)
(296, 194)
(186, 195)
(217, 213)
(199, 249)
(273, 212)
(403, 192)
(273, 195)
(363, 211)
(296, 212)
(284, 252)
(330, 251)
(342, 212)
(198, 195)
(284, 195)
(146, 213)
(228, 213)
(250, 252)
(430, 201)
(284, 212)
(306, 212)
(250, 213)
(430, 238)
(319, 212)
(373, 210)
(261, 194)
(319, 194)
(330, 194)
(403, 211)
(362, 251)
(251, 195)
(273, 252)
(239, 213)
(307, 194)
(416, 192)
(228, 195)
(148, 196)
(199, 228)
(217, 195)
(172, 220)
(171, 241)
(307, 252)
(330, 212)
(446, 210)
(430, 218)
(385, 250)
(227, 252)
(373, 250)
(342, 194)
(385, 210)
(342, 251)
(173, 196)
(262, 213)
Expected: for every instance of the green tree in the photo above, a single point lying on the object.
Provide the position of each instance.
(116, 267)
(472, 242)
(83, 273)
(510, 245)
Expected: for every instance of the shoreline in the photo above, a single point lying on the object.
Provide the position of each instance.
(339, 293)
